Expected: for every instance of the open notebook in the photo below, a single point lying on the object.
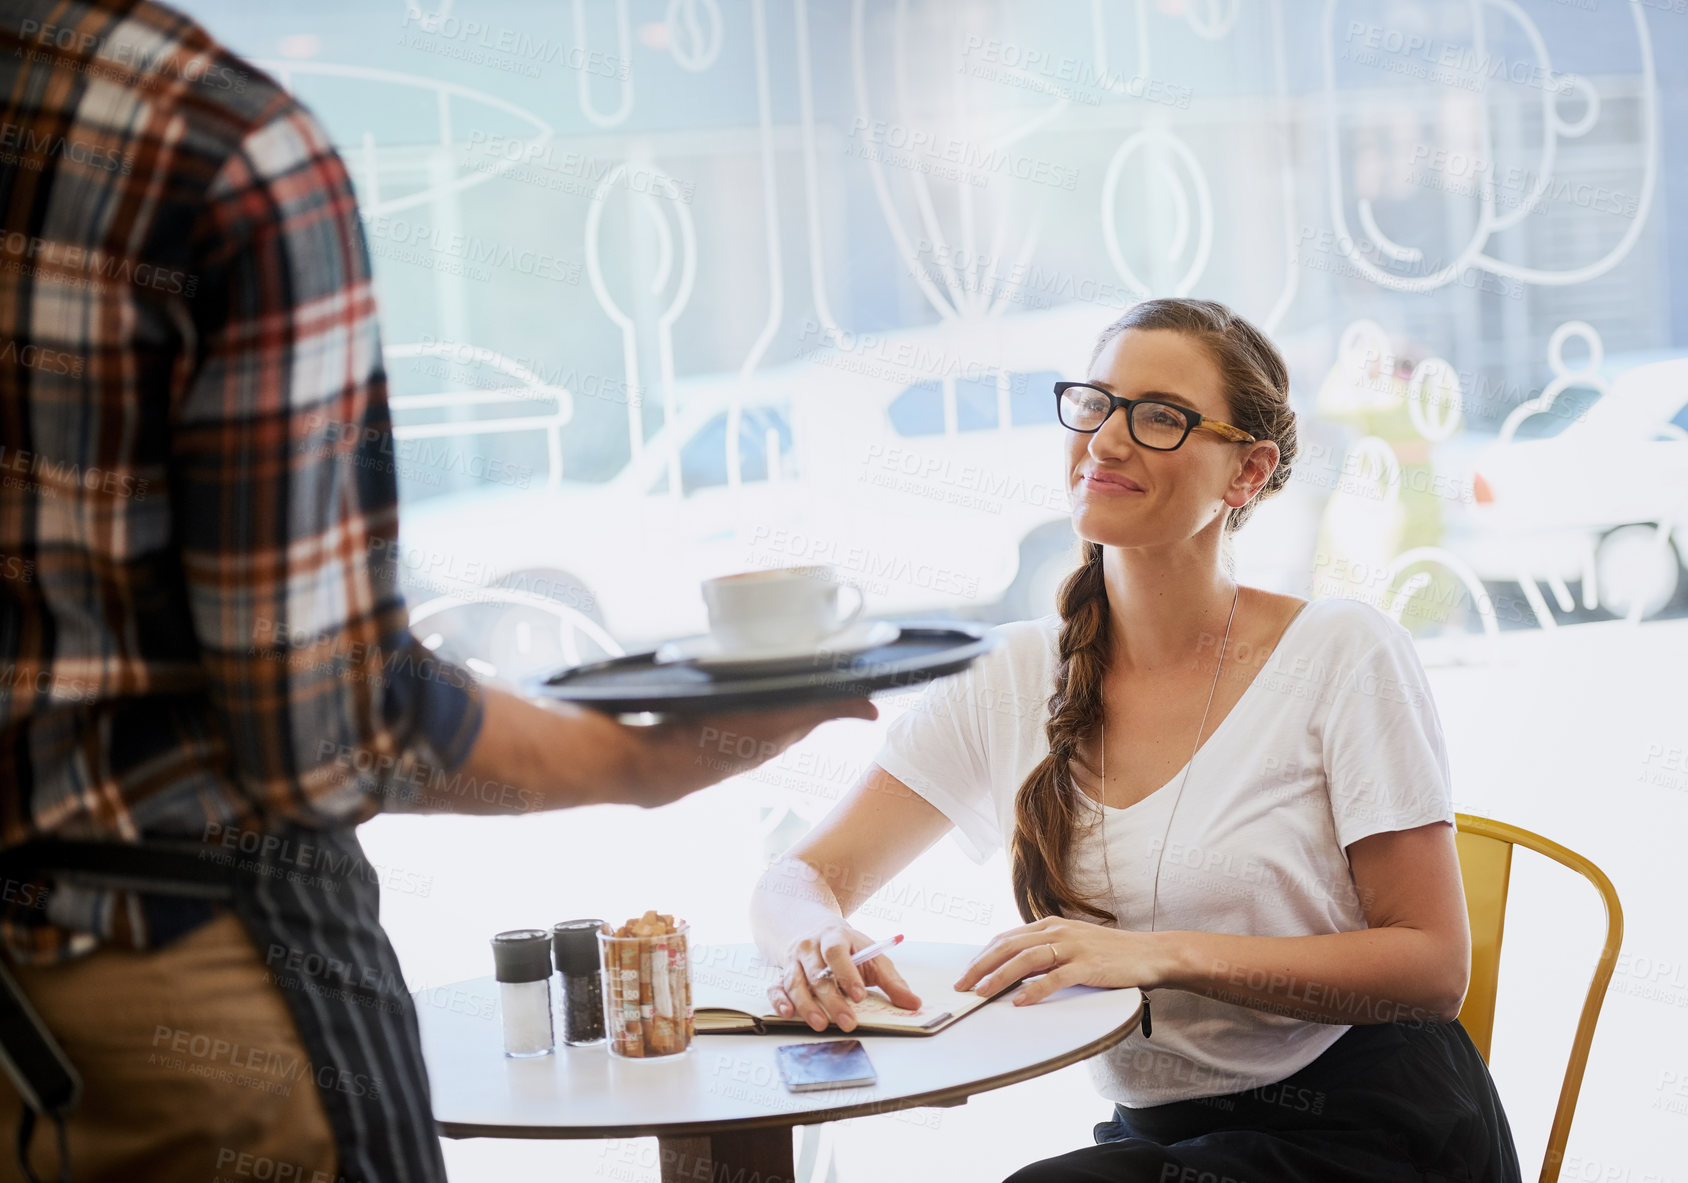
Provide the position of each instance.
(723, 1005)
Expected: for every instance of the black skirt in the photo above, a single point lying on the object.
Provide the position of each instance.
(1385, 1103)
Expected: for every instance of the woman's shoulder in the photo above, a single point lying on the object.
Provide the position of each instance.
(1009, 682)
(1351, 627)
(1021, 636)
(1021, 650)
(1022, 641)
(1339, 622)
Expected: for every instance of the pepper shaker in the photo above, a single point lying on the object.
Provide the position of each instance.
(522, 964)
(575, 946)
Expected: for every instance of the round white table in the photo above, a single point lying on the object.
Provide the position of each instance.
(723, 1104)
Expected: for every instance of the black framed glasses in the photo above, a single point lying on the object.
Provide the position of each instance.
(1155, 424)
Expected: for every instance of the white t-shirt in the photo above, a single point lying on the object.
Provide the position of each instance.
(1336, 738)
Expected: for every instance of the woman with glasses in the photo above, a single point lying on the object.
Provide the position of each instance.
(1236, 800)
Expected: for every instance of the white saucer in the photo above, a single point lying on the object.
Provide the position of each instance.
(705, 652)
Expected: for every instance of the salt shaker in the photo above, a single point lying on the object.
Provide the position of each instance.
(575, 945)
(522, 965)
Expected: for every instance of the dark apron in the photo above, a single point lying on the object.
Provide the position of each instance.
(310, 902)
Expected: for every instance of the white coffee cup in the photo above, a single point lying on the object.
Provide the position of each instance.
(778, 608)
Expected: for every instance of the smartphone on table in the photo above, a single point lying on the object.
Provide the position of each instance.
(835, 1064)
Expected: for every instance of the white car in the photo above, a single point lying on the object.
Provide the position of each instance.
(1604, 501)
(925, 465)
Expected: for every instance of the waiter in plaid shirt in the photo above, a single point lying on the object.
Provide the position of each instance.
(205, 665)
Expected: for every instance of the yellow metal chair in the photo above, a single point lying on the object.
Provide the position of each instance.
(1485, 863)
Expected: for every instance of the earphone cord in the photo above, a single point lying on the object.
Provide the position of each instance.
(1160, 855)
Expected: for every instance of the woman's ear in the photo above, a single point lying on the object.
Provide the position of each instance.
(1257, 467)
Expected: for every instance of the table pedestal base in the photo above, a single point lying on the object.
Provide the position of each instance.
(743, 1156)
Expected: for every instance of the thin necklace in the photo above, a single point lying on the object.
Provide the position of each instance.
(1102, 793)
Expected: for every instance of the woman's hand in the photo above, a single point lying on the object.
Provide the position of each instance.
(1066, 953)
(819, 1001)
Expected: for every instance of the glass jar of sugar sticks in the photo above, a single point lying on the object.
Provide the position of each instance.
(647, 987)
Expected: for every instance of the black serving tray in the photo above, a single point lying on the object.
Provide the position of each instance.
(635, 683)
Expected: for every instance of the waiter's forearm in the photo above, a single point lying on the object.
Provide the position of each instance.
(528, 757)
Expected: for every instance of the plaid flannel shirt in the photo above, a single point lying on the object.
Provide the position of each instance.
(200, 621)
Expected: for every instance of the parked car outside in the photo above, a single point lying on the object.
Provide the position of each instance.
(1603, 501)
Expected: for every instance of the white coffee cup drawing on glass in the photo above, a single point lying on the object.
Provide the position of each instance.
(787, 607)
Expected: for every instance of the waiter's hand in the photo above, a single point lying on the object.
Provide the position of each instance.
(678, 756)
